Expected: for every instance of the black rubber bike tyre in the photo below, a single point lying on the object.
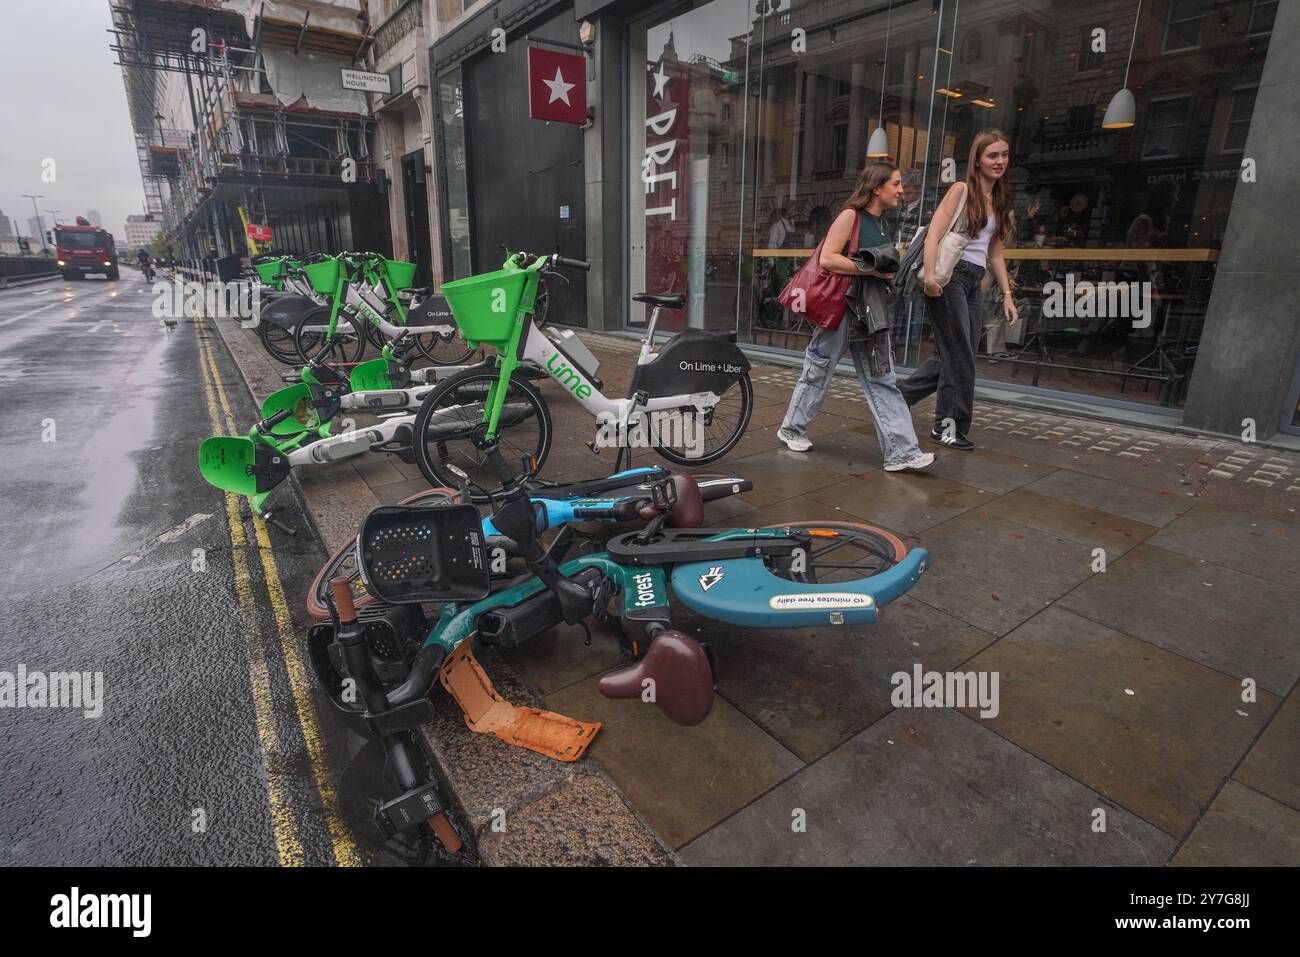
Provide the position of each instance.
(348, 347)
(746, 410)
(278, 343)
(433, 465)
(884, 547)
(428, 344)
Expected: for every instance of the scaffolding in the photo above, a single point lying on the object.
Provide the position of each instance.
(236, 138)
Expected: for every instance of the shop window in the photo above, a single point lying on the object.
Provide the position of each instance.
(839, 145)
(1243, 105)
(1262, 14)
(1166, 128)
(1088, 59)
(1081, 119)
(1183, 28)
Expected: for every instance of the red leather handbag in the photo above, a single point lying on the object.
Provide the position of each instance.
(823, 291)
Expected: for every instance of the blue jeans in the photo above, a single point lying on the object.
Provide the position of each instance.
(889, 410)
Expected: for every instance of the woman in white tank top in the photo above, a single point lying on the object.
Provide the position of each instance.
(956, 310)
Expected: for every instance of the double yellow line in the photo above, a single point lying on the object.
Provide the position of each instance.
(288, 845)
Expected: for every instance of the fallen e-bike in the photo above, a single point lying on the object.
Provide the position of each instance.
(800, 575)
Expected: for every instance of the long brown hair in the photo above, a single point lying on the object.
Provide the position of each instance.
(976, 214)
(873, 176)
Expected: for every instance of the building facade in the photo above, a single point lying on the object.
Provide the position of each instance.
(241, 117)
(141, 228)
(726, 134)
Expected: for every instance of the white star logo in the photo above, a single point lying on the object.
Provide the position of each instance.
(559, 89)
(661, 81)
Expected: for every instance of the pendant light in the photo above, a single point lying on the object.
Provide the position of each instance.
(878, 144)
(1121, 113)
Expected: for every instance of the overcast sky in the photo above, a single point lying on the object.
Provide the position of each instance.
(61, 97)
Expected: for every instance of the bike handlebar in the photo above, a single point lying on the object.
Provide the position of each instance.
(267, 424)
(572, 263)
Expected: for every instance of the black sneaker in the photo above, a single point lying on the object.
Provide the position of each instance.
(956, 442)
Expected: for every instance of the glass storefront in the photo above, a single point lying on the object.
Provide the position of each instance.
(751, 120)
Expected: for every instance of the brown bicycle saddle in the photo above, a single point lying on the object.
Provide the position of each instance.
(681, 676)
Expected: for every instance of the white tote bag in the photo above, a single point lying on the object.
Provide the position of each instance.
(952, 245)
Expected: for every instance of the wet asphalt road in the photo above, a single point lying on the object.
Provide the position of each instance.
(212, 746)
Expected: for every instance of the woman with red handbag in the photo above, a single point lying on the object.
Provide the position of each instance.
(819, 292)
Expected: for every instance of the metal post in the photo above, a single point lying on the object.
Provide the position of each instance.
(34, 198)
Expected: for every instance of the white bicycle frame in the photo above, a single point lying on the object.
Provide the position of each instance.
(546, 355)
(354, 442)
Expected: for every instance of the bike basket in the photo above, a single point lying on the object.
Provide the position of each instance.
(241, 466)
(298, 398)
(485, 306)
(270, 272)
(415, 553)
(370, 376)
(324, 275)
(398, 274)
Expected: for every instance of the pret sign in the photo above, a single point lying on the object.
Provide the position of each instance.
(257, 233)
(370, 82)
(557, 86)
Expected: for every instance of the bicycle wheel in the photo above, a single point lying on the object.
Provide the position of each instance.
(448, 434)
(278, 341)
(348, 344)
(375, 335)
(343, 563)
(443, 352)
(841, 552)
(712, 435)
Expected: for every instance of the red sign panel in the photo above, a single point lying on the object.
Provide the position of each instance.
(260, 234)
(664, 177)
(557, 86)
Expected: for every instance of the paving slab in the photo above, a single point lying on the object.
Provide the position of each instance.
(682, 781)
(1118, 498)
(995, 573)
(1236, 623)
(1269, 548)
(902, 502)
(984, 469)
(1243, 828)
(929, 787)
(1150, 730)
(1273, 764)
(1089, 526)
(813, 688)
(801, 508)
(779, 476)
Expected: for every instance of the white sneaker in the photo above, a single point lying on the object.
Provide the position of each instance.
(795, 443)
(918, 461)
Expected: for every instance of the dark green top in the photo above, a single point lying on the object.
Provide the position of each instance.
(872, 230)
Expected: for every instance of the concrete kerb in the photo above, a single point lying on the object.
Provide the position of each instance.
(522, 808)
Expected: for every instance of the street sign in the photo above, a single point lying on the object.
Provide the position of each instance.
(370, 82)
(557, 86)
(261, 234)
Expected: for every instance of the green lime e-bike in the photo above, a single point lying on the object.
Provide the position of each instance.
(694, 390)
(364, 305)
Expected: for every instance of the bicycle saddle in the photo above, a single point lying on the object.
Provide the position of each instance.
(669, 300)
(418, 291)
(688, 511)
(681, 673)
